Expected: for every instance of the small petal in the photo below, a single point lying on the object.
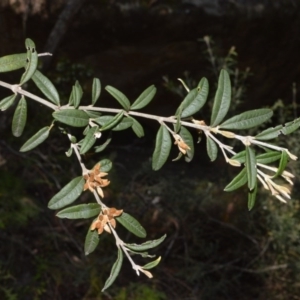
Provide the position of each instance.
(147, 273)
(100, 192)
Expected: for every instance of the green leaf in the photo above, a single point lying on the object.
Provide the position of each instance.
(270, 133)
(113, 121)
(103, 146)
(132, 225)
(248, 119)
(119, 96)
(284, 159)
(251, 168)
(19, 118)
(162, 148)
(7, 102)
(36, 139)
(12, 62)
(152, 264)
(32, 61)
(124, 124)
(194, 100)
(147, 245)
(96, 90)
(69, 152)
(268, 157)
(114, 271)
(238, 181)
(89, 140)
(137, 128)
(77, 94)
(241, 157)
(81, 211)
(144, 99)
(222, 99)
(93, 114)
(105, 165)
(68, 194)
(72, 117)
(91, 241)
(252, 197)
(291, 126)
(46, 87)
(211, 148)
(188, 139)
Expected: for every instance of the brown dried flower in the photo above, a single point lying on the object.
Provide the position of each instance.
(94, 180)
(107, 216)
(182, 146)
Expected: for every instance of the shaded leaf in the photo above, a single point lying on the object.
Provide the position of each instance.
(91, 241)
(12, 62)
(147, 245)
(96, 90)
(81, 211)
(238, 181)
(162, 148)
(68, 194)
(251, 167)
(144, 99)
(119, 96)
(89, 140)
(72, 117)
(211, 148)
(36, 139)
(137, 128)
(19, 118)
(222, 99)
(46, 87)
(248, 119)
(7, 102)
(270, 133)
(132, 225)
(114, 271)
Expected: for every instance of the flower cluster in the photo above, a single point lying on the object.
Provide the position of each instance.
(94, 180)
(106, 218)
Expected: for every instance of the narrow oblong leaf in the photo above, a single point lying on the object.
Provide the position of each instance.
(19, 118)
(114, 271)
(251, 168)
(105, 165)
(113, 122)
(290, 127)
(162, 148)
(211, 148)
(241, 156)
(103, 146)
(282, 164)
(89, 140)
(68, 194)
(188, 139)
(252, 197)
(269, 133)
(145, 98)
(12, 62)
(194, 100)
(32, 61)
(125, 123)
(238, 181)
(72, 117)
(132, 225)
(268, 157)
(248, 119)
(147, 245)
(222, 99)
(7, 102)
(119, 96)
(137, 128)
(46, 87)
(152, 264)
(96, 90)
(81, 211)
(36, 139)
(91, 241)
(77, 94)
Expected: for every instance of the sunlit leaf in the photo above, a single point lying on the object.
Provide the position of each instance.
(72, 117)
(238, 181)
(188, 139)
(89, 140)
(152, 264)
(19, 118)
(81, 211)
(251, 167)
(105, 165)
(132, 225)
(7, 102)
(137, 128)
(211, 148)
(91, 241)
(284, 159)
(252, 197)
(147, 245)
(270, 133)
(36, 139)
(248, 119)
(119, 96)
(46, 87)
(114, 271)
(12, 62)
(67, 194)
(162, 148)
(194, 100)
(144, 99)
(96, 90)
(222, 99)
